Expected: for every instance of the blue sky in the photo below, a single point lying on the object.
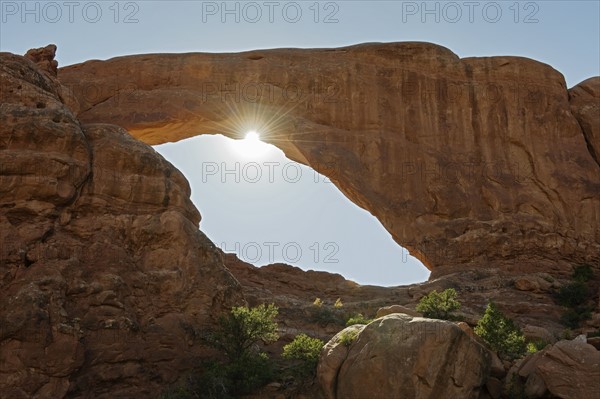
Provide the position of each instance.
(282, 217)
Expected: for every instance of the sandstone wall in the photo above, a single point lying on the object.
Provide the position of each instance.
(105, 279)
(466, 162)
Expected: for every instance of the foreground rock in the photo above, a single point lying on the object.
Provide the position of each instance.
(399, 356)
(469, 163)
(105, 279)
(568, 369)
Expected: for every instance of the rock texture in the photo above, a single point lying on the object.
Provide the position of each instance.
(294, 291)
(399, 356)
(469, 163)
(585, 105)
(105, 279)
(568, 369)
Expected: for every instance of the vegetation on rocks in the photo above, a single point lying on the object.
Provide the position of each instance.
(500, 333)
(305, 350)
(348, 337)
(357, 319)
(577, 297)
(439, 305)
(246, 368)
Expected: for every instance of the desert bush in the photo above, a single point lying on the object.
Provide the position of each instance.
(348, 337)
(594, 334)
(237, 336)
(338, 304)
(536, 345)
(357, 319)
(439, 305)
(582, 273)
(501, 333)
(573, 294)
(306, 351)
(243, 328)
(572, 318)
(324, 315)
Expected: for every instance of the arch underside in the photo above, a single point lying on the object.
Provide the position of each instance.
(464, 161)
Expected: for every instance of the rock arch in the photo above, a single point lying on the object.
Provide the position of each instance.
(466, 162)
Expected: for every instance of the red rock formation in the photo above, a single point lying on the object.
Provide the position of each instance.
(399, 356)
(105, 279)
(469, 163)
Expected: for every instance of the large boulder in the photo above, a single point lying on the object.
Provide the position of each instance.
(567, 369)
(399, 356)
(105, 278)
(386, 310)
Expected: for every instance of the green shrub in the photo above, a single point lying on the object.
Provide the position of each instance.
(243, 328)
(573, 294)
(306, 350)
(567, 334)
(439, 305)
(348, 337)
(594, 334)
(357, 319)
(536, 345)
(572, 318)
(500, 333)
(325, 315)
(237, 337)
(582, 273)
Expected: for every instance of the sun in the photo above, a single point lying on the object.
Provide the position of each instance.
(251, 146)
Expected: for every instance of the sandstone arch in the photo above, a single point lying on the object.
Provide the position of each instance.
(468, 162)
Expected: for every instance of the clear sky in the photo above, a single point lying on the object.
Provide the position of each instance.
(290, 213)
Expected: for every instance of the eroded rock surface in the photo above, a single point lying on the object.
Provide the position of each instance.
(105, 279)
(398, 356)
(469, 163)
(567, 369)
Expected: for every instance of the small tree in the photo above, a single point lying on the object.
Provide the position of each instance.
(237, 337)
(501, 333)
(439, 305)
(573, 294)
(306, 350)
(243, 328)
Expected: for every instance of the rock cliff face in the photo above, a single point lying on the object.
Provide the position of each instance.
(467, 162)
(105, 278)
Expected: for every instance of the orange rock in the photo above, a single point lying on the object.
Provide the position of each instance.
(398, 356)
(105, 278)
(469, 163)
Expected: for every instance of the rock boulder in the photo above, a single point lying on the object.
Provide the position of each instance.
(399, 356)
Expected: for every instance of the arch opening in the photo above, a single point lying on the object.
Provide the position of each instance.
(262, 206)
